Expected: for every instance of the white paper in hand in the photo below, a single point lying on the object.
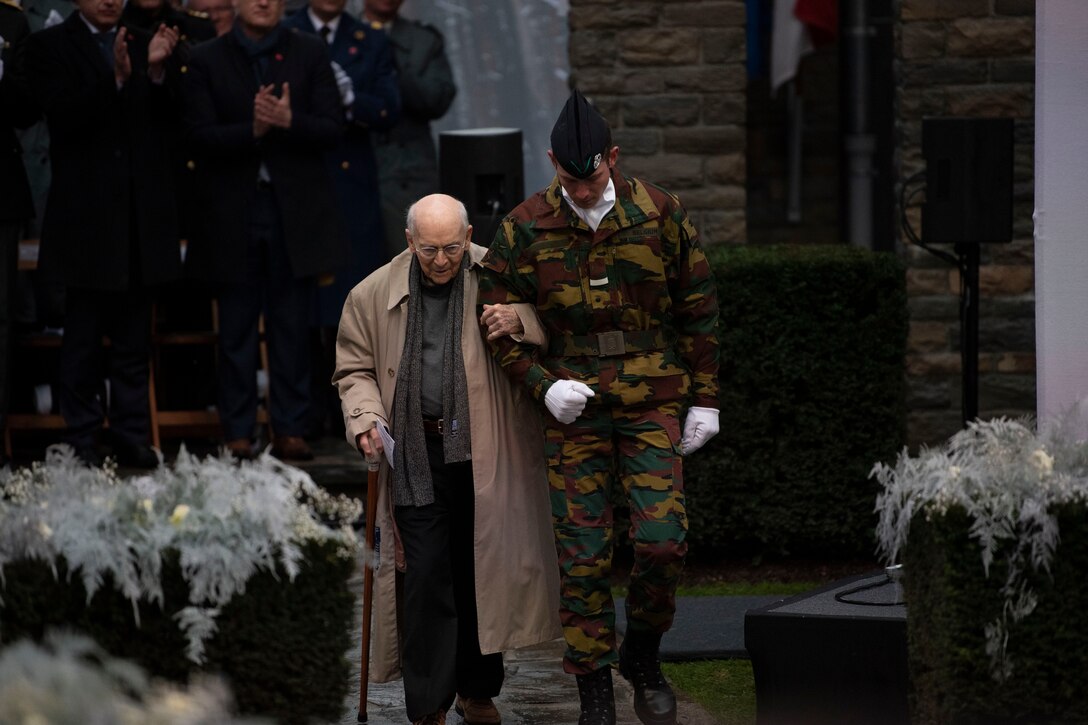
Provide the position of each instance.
(387, 442)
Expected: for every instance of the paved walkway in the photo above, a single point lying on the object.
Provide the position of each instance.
(536, 690)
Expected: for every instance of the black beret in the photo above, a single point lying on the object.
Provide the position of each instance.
(581, 137)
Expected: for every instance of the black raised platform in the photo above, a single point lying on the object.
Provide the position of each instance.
(818, 659)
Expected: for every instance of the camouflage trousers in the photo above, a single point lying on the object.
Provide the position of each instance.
(638, 448)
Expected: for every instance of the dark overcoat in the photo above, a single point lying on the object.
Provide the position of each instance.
(16, 111)
(111, 216)
(220, 85)
(367, 58)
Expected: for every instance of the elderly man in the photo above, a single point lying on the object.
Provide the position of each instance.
(629, 305)
(262, 109)
(463, 500)
(111, 222)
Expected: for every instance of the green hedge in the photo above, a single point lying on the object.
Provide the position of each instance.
(813, 340)
(950, 600)
(282, 645)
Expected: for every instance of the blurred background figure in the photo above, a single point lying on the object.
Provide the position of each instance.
(220, 12)
(407, 159)
(111, 222)
(193, 26)
(16, 110)
(262, 110)
(362, 61)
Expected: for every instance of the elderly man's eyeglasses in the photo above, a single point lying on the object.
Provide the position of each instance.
(450, 250)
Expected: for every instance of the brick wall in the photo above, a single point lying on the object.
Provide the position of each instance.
(969, 58)
(670, 78)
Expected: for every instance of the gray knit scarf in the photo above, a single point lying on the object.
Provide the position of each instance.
(412, 484)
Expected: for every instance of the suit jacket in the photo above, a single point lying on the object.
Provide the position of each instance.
(219, 89)
(16, 111)
(111, 220)
(367, 58)
(406, 155)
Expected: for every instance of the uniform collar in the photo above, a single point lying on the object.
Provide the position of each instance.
(633, 206)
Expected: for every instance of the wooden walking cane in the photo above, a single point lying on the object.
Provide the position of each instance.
(368, 579)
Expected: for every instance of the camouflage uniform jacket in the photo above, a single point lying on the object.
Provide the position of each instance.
(642, 277)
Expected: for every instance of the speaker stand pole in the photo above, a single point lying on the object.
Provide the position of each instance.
(969, 264)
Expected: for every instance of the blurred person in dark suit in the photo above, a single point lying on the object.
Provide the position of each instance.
(262, 110)
(16, 111)
(362, 61)
(111, 224)
(220, 12)
(407, 159)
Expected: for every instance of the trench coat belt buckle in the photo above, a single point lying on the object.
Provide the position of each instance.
(434, 426)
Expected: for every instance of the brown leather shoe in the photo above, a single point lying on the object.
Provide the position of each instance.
(291, 448)
(435, 718)
(478, 711)
(241, 449)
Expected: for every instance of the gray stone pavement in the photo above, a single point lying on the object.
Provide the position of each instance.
(536, 690)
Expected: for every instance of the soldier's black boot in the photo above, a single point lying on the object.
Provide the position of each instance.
(598, 702)
(655, 703)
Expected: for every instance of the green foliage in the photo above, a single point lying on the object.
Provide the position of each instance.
(282, 644)
(950, 599)
(724, 688)
(813, 340)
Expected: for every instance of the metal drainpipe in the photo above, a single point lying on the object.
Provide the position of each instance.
(860, 144)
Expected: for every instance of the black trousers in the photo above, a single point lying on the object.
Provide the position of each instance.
(268, 285)
(440, 646)
(124, 317)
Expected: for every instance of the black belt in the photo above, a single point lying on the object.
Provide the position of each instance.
(608, 344)
(434, 426)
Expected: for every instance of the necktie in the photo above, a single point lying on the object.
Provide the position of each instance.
(326, 33)
(105, 44)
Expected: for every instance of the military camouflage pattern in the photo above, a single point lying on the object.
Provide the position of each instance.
(642, 280)
(636, 447)
(642, 270)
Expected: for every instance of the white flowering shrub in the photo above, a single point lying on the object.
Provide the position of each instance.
(1009, 479)
(226, 521)
(70, 679)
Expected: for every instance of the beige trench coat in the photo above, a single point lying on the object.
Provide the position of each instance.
(517, 575)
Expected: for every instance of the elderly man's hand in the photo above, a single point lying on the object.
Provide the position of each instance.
(501, 320)
(370, 444)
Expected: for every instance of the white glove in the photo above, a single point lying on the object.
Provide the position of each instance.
(343, 84)
(700, 426)
(566, 399)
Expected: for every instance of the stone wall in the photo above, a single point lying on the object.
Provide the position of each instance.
(670, 78)
(969, 58)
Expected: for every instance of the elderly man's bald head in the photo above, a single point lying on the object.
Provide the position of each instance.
(438, 234)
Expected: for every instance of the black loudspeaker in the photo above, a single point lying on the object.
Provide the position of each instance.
(968, 180)
(483, 168)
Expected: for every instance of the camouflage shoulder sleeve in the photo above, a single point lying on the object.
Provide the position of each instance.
(503, 282)
(695, 304)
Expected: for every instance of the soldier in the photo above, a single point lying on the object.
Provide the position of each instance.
(407, 160)
(220, 12)
(628, 300)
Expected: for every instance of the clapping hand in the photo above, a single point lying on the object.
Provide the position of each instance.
(159, 49)
(122, 64)
(271, 112)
